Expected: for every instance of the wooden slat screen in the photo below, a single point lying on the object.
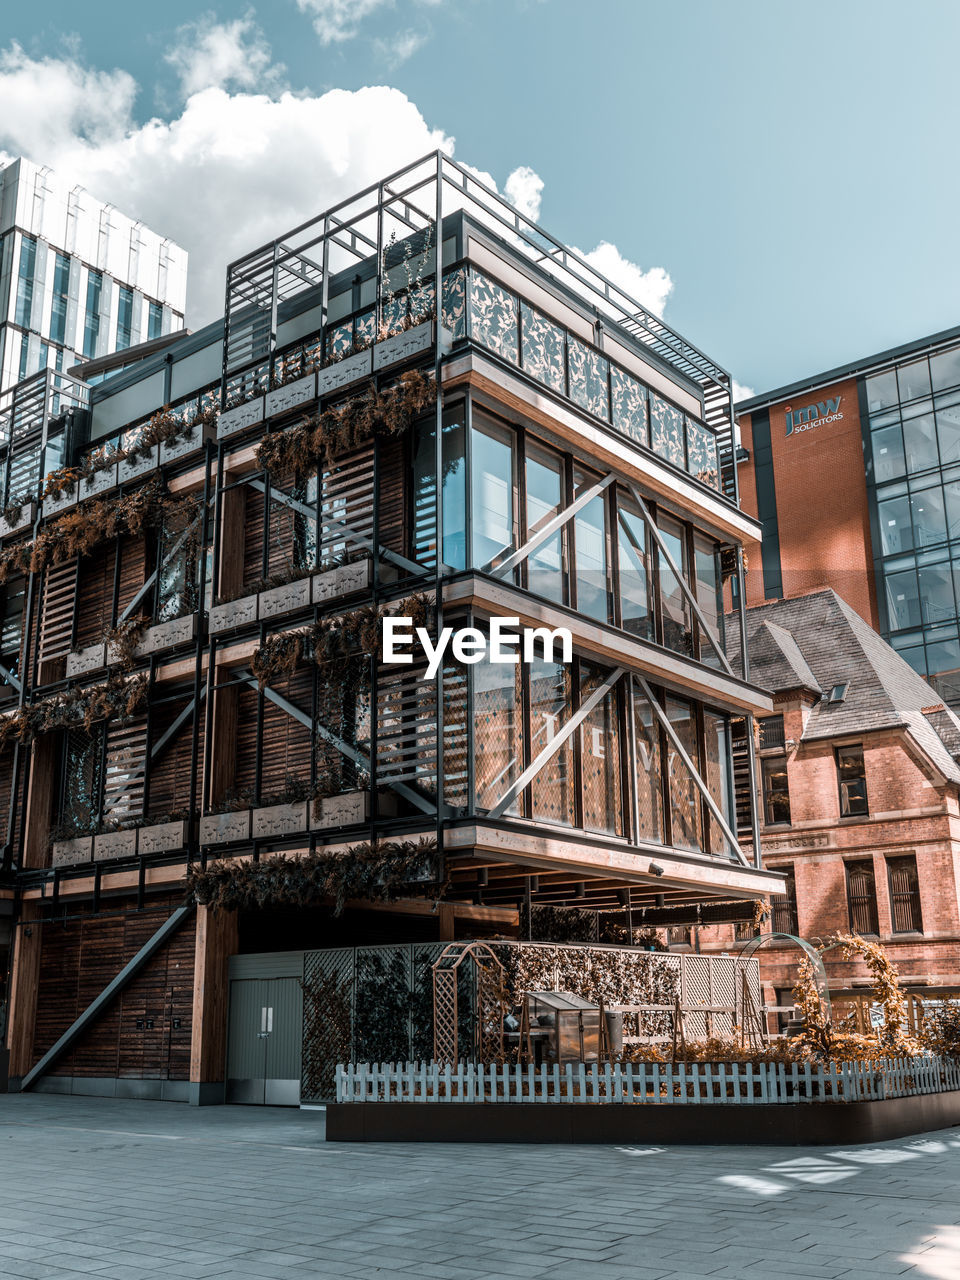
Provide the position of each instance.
(407, 728)
(169, 778)
(95, 596)
(57, 611)
(124, 772)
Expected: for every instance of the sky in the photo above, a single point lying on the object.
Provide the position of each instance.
(779, 181)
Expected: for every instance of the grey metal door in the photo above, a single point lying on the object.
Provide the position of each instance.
(264, 1041)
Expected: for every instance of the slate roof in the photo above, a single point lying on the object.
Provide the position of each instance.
(817, 641)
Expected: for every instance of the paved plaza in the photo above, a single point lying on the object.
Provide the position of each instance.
(159, 1191)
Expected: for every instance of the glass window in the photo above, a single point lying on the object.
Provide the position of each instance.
(929, 522)
(677, 632)
(904, 894)
(25, 275)
(542, 348)
(82, 778)
(649, 789)
(154, 321)
(920, 443)
(936, 593)
(888, 459)
(914, 380)
(903, 601)
(61, 289)
(684, 795)
(12, 597)
(635, 611)
(91, 323)
(544, 494)
(709, 596)
(424, 540)
(600, 758)
(853, 782)
(948, 433)
(629, 406)
(896, 530)
(124, 318)
(770, 732)
(553, 790)
(716, 774)
(498, 731)
(945, 369)
(776, 790)
(493, 483)
(882, 391)
(785, 905)
(862, 897)
(943, 659)
(590, 542)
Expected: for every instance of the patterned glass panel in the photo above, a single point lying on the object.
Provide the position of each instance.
(588, 378)
(454, 303)
(666, 431)
(630, 413)
(421, 302)
(366, 329)
(498, 731)
(702, 454)
(340, 340)
(600, 759)
(393, 311)
(493, 317)
(552, 790)
(542, 348)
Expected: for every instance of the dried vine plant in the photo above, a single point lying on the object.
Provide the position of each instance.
(116, 698)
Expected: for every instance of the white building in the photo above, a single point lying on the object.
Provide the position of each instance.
(78, 279)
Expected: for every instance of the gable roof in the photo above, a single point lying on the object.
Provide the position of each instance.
(817, 641)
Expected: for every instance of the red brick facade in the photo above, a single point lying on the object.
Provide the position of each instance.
(823, 520)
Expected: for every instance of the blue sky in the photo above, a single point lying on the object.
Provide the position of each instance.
(791, 167)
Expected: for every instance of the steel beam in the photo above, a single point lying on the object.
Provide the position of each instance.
(549, 529)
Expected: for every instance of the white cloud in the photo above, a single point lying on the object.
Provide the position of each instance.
(524, 189)
(337, 20)
(210, 54)
(740, 392)
(400, 47)
(650, 287)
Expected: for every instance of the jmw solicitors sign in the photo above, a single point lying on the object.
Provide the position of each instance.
(813, 415)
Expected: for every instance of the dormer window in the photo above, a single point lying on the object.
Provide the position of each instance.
(837, 693)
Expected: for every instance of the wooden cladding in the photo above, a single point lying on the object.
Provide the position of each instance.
(145, 1032)
(118, 568)
(285, 746)
(168, 791)
(57, 612)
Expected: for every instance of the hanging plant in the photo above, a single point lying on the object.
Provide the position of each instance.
(321, 437)
(376, 871)
(117, 698)
(122, 641)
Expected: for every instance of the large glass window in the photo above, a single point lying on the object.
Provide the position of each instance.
(882, 391)
(677, 633)
(920, 442)
(25, 275)
(590, 540)
(903, 600)
(853, 782)
(929, 523)
(776, 790)
(492, 485)
(716, 774)
(945, 369)
(424, 541)
(684, 795)
(154, 321)
(914, 380)
(124, 318)
(648, 775)
(498, 730)
(935, 586)
(948, 431)
(600, 759)
(709, 597)
(553, 790)
(91, 323)
(888, 459)
(544, 495)
(636, 613)
(61, 290)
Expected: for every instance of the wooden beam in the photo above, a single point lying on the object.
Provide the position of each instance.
(233, 516)
(446, 921)
(42, 788)
(217, 939)
(24, 979)
(222, 756)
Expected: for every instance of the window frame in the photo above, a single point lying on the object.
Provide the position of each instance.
(844, 800)
(850, 866)
(916, 906)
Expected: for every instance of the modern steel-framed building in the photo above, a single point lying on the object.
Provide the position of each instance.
(78, 278)
(576, 470)
(854, 475)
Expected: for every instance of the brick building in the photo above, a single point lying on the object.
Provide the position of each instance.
(858, 793)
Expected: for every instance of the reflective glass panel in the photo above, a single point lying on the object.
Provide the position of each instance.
(882, 391)
(635, 611)
(648, 775)
(896, 531)
(590, 540)
(544, 482)
(492, 489)
(684, 796)
(945, 369)
(677, 633)
(716, 774)
(936, 593)
(903, 602)
(929, 525)
(920, 443)
(498, 750)
(888, 460)
(914, 380)
(552, 791)
(948, 433)
(600, 759)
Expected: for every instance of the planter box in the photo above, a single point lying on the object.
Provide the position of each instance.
(346, 579)
(280, 600)
(346, 810)
(67, 852)
(279, 820)
(56, 503)
(179, 447)
(115, 844)
(223, 828)
(224, 617)
(27, 517)
(167, 634)
(98, 483)
(164, 837)
(133, 468)
(238, 419)
(91, 659)
(343, 372)
(403, 346)
(291, 395)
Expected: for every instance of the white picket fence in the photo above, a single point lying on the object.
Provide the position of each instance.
(648, 1082)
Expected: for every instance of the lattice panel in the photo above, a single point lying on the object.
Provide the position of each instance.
(328, 1000)
(697, 989)
(381, 1004)
(445, 1022)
